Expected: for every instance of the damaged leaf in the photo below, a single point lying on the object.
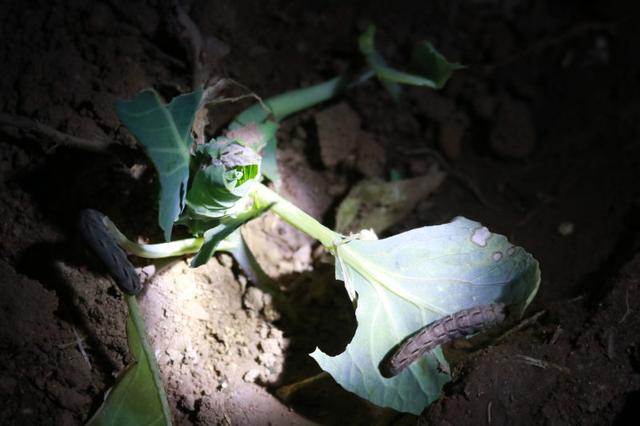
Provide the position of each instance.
(409, 280)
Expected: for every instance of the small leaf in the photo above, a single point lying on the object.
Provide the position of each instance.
(165, 132)
(227, 226)
(217, 189)
(412, 279)
(138, 397)
(213, 193)
(433, 69)
(432, 65)
(262, 137)
(239, 249)
(281, 106)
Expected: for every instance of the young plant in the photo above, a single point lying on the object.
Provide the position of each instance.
(397, 285)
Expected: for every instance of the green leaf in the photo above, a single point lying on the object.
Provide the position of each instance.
(215, 192)
(227, 226)
(239, 249)
(432, 65)
(165, 132)
(263, 137)
(409, 280)
(217, 189)
(433, 70)
(138, 397)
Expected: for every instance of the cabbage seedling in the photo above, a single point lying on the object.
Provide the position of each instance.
(397, 285)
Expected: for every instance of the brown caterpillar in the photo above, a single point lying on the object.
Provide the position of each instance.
(459, 324)
(99, 238)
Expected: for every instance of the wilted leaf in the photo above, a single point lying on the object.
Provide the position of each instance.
(376, 204)
(138, 397)
(165, 132)
(409, 280)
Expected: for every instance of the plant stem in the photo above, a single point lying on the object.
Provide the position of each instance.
(291, 102)
(295, 216)
(285, 104)
(162, 250)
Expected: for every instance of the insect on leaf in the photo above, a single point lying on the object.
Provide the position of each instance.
(165, 132)
(410, 280)
(138, 397)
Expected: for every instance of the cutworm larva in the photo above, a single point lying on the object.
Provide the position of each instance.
(459, 324)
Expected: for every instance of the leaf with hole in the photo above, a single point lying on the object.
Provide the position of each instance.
(412, 279)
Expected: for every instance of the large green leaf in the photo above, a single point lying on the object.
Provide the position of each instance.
(165, 132)
(409, 280)
(138, 397)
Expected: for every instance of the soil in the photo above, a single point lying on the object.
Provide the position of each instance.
(539, 137)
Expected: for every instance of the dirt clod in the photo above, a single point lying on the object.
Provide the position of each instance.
(338, 129)
(450, 138)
